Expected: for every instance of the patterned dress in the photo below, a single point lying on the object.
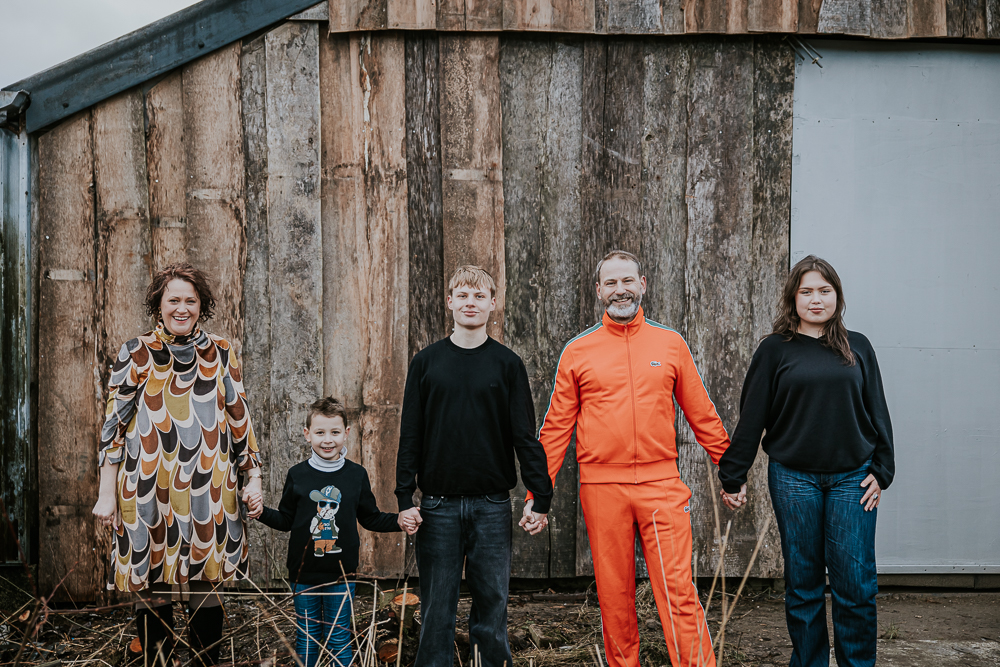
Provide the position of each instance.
(178, 423)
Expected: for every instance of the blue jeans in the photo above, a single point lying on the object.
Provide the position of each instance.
(323, 618)
(473, 531)
(824, 526)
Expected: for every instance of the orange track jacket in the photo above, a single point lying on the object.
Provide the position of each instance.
(616, 384)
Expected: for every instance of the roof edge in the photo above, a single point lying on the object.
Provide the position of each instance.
(80, 82)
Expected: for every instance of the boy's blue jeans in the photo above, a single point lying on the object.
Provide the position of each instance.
(323, 618)
(824, 526)
(474, 531)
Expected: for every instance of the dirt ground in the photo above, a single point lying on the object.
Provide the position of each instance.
(547, 628)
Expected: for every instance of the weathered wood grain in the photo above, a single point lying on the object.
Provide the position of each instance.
(122, 219)
(471, 159)
(889, 19)
(423, 179)
(553, 15)
(719, 262)
(69, 380)
(773, 15)
(318, 12)
(663, 163)
(926, 18)
(213, 150)
(450, 15)
(809, 16)
(257, 294)
(593, 159)
(966, 18)
(992, 12)
(634, 17)
(412, 14)
(292, 117)
(165, 158)
(541, 94)
(351, 15)
(366, 253)
(774, 81)
(845, 17)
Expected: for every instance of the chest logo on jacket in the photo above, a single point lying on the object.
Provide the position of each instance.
(323, 526)
(655, 363)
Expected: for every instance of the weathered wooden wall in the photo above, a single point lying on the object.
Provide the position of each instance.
(331, 183)
(880, 19)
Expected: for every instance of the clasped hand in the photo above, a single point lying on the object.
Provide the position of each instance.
(533, 522)
(734, 501)
(253, 498)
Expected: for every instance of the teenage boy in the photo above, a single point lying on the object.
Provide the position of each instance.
(623, 375)
(467, 412)
(324, 499)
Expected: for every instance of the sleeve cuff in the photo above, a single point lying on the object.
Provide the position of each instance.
(112, 455)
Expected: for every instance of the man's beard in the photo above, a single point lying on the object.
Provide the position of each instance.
(623, 310)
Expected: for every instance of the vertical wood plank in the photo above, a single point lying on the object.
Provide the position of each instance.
(992, 27)
(121, 203)
(845, 17)
(554, 15)
(423, 179)
(719, 260)
(483, 14)
(889, 19)
(774, 82)
(773, 15)
(165, 156)
(292, 112)
(720, 16)
(69, 380)
(213, 150)
(541, 95)
(967, 18)
(593, 165)
(257, 294)
(634, 17)
(351, 15)
(471, 159)
(809, 16)
(450, 14)
(411, 14)
(927, 18)
(365, 255)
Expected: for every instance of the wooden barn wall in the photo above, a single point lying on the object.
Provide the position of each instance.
(879, 19)
(330, 183)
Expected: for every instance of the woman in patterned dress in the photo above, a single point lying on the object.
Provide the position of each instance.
(176, 434)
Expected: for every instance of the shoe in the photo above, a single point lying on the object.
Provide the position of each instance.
(155, 628)
(205, 635)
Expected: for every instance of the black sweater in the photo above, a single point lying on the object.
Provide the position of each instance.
(336, 537)
(465, 414)
(820, 414)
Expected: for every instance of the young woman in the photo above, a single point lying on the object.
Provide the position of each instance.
(176, 434)
(814, 392)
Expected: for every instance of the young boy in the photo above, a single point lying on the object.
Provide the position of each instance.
(467, 415)
(323, 501)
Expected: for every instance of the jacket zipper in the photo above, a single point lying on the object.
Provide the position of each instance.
(635, 427)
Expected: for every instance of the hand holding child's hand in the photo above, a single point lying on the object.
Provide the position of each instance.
(410, 520)
(254, 500)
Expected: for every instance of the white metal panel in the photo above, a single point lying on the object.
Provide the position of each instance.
(896, 181)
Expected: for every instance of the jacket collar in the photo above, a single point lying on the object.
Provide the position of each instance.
(632, 328)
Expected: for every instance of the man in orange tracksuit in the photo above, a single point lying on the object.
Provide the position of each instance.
(615, 384)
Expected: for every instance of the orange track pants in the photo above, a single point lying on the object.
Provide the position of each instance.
(613, 512)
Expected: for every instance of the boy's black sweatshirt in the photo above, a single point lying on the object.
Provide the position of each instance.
(820, 415)
(466, 412)
(305, 489)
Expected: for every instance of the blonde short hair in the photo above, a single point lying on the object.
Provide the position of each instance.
(469, 275)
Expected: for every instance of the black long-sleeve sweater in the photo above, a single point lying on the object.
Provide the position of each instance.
(322, 510)
(466, 413)
(820, 415)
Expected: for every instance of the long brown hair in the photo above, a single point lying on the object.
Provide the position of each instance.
(787, 321)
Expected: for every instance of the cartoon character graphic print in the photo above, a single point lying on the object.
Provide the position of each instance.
(323, 527)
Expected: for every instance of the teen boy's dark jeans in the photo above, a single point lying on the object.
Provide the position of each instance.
(473, 531)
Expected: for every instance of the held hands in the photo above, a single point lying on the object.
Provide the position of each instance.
(253, 497)
(873, 496)
(106, 509)
(410, 520)
(533, 522)
(734, 501)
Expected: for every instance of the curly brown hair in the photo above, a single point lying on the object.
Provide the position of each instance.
(787, 321)
(187, 273)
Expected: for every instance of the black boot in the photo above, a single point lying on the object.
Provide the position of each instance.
(155, 628)
(205, 635)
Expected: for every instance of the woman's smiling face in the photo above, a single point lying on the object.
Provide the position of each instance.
(180, 307)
